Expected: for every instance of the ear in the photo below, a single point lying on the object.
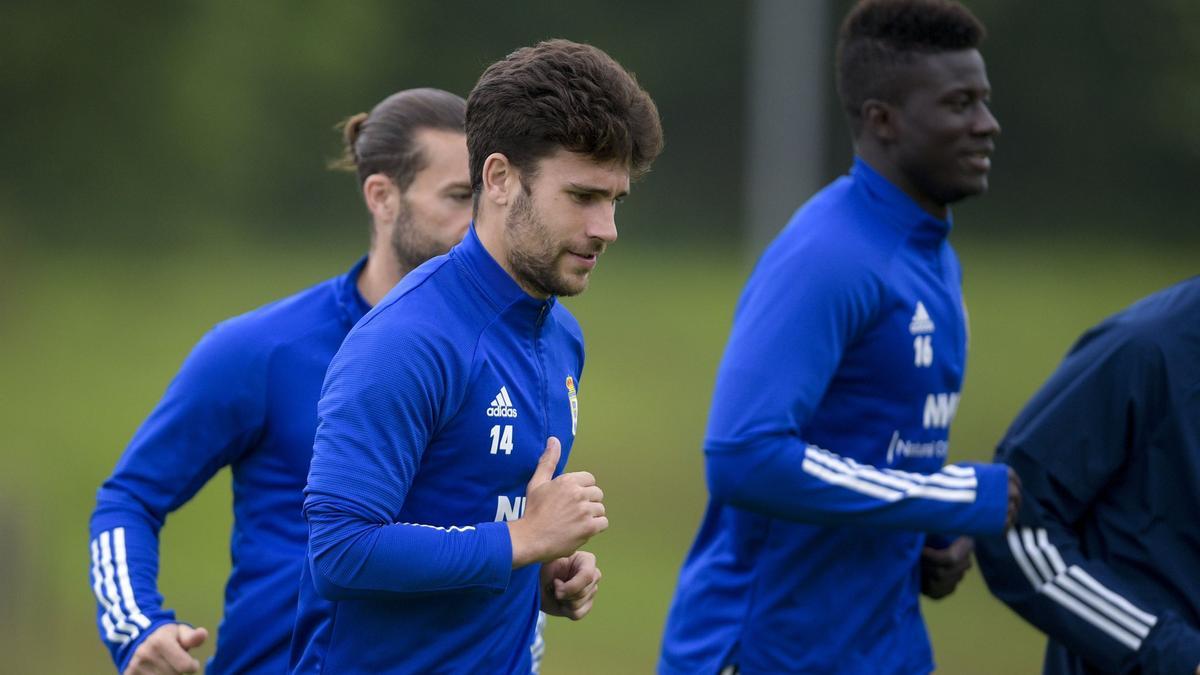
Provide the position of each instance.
(382, 198)
(500, 179)
(879, 120)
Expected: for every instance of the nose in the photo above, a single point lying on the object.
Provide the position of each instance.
(603, 225)
(986, 123)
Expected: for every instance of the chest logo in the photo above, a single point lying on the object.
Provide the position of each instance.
(921, 323)
(574, 399)
(921, 326)
(502, 405)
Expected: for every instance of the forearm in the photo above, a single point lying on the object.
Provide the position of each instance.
(786, 478)
(352, 557)
(1082, 604)
(123, 578)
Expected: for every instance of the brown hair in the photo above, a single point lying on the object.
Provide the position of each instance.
(383, 141)
(564, 94)
(878, 36)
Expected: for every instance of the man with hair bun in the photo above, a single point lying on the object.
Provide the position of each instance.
(246, 398)
(830, 506)
(439, 517)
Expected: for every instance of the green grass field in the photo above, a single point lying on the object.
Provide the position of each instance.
(87, 344)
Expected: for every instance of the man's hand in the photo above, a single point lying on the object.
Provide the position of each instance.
(569, 585)
(165, 652)
(1014, 498)
(561, 514)
(943, 568)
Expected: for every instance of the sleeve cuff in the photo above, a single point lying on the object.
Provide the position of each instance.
(1173, 646)
(991, 499)
(498, 544)
(123, 654)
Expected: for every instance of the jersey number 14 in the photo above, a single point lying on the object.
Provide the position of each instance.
(502, 438)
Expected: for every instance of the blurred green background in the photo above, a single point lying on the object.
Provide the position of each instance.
(163, 168)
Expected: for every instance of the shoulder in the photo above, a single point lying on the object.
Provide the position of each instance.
(1155, 324)
(241, 346)
(823, 253)
(1161, 318)
(281, 321)
(833, 235)
(429, 321)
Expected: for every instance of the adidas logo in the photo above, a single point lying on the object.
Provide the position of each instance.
(921, 323)
(502, 405)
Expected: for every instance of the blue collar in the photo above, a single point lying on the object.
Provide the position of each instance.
(897, 207)
(351, 305)
(496, 285)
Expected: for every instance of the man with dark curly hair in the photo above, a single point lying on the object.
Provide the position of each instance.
(439, 519)
(831, 506)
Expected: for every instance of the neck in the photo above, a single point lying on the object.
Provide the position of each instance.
(879, 160)
(379, 275)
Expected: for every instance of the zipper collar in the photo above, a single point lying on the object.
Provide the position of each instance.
(500, 289)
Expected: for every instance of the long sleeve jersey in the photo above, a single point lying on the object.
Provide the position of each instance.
(1106, 555)
(246, 398)
(432, 419)
(825, 447)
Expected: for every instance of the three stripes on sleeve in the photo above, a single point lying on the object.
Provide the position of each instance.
(1077, 591)
(122, 619)
(952, 484)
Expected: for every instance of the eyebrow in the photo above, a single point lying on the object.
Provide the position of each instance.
(458, 185)
(593, 190)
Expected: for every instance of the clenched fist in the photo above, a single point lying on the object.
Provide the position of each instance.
(165, 652)
(561, 514)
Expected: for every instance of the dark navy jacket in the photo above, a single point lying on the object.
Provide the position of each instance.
(1106, 558)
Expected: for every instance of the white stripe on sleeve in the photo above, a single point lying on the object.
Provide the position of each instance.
(537, 650)
(452, 528)
(135, 612)
(956, 470)
(1083, 576)
(850, 482)
(941, 479)
(1035, 554)
(889, 486)
(1076, 590)
(110, 631)
(110, 586)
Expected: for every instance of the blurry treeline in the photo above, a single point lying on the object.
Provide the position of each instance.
(142, 125)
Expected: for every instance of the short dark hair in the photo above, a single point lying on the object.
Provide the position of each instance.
(564, 94)
(384, 140)
(879, 36)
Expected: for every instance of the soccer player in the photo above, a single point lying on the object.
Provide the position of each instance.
(436, 522)
(1105, 554)
(828, 429)
(246, 398)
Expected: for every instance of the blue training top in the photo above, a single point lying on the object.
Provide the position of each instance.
(432, 420)
(246, 397)
(1106, 552)
(825, 447)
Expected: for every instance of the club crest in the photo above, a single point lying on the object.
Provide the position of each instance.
(574, 399)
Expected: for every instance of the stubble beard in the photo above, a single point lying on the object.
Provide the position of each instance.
(532, 254)
(411, 245)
